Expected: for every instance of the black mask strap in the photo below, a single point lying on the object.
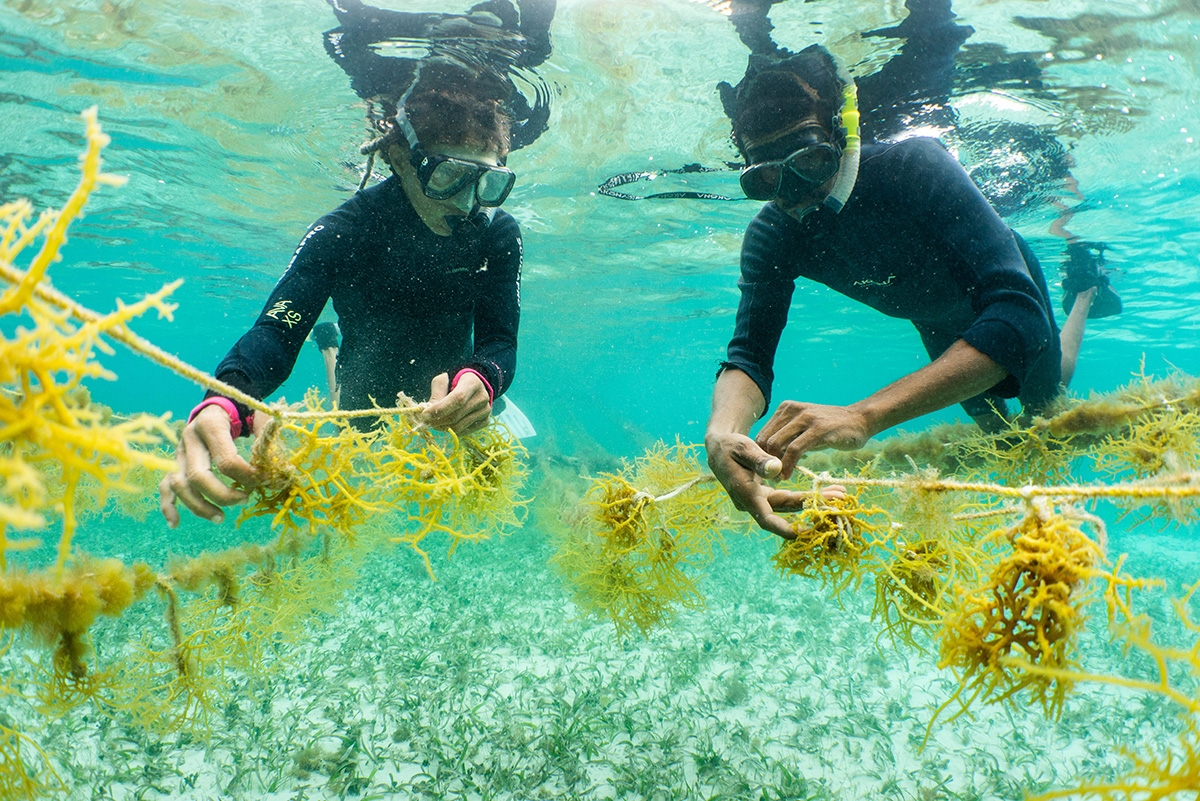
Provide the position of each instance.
(609, 187)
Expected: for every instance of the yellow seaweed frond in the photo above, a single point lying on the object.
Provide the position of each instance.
(634, 551)
(1030, 607)
(49, 431)
(831, 537)
(311, 475)
(467, 488)
(19, 780)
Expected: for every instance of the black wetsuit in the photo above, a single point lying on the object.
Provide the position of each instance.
(916, 240)
(410, 304)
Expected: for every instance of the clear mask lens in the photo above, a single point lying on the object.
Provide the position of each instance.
(797, 174)
(449, 176)
(493, 186)
(448, 179)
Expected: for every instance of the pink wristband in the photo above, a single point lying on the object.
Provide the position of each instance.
(479, 375)
(235, 419)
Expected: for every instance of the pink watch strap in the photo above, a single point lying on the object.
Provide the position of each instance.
(236, 424)
(491, 393)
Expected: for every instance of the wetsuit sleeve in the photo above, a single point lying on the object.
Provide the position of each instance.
(763, 310)
(498, 308)
(1012, 325)
(263, 358)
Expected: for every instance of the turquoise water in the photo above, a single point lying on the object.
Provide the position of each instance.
(236, 131)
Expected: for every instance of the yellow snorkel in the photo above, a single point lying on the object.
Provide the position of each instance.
(847, 174)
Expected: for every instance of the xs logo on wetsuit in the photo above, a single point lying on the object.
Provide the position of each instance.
(281, 313)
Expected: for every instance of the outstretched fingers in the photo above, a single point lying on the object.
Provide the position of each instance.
(787, 500)
(205, 441)
(178, 487)
(767, 519)
(741, 466)
(224, 454)
(802, 444)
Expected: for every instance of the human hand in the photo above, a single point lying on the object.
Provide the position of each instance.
(464, 409)
(205, 440)
(740, 465)
(797, 428)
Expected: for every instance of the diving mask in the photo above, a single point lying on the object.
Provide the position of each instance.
(808, 160)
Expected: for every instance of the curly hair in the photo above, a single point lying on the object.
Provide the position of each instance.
(449, 105)
(772, 98)
(449, 116)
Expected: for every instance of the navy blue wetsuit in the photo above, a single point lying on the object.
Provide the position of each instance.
(410, 304)
(918, 241)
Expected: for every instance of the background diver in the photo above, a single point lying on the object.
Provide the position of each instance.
(899, 227)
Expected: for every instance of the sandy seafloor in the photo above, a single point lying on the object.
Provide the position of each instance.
(486, 684)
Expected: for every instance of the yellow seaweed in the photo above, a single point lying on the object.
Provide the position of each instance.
(63, 456)
(634, 550)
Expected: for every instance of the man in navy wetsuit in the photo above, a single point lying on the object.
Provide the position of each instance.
(909, 235)
(424, 273)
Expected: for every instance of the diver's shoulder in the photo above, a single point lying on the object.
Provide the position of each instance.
(381, 205)
(385, 193)
(915, 149)
(911, 162)
(503, 224)
(767, 226)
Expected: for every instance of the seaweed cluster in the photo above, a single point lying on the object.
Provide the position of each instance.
(978, 546)
(831, 537)
(634, 549)
(317, 469)
(223, 613)
(1030, 607)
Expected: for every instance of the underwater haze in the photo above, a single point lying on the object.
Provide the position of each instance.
(236, 131)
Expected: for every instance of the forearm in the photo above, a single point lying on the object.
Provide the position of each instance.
(495, 354)
(737, 404)
(260, 361)
(960, 373)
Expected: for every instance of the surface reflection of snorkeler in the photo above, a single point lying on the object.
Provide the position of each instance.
(423, 268)
(490, 33)
(898, 226)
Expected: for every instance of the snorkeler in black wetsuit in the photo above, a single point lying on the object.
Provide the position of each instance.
(906, 233)
(424, 273)
(410, 304)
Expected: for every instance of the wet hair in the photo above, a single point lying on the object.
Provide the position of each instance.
(776, 94)
(447, 106)
(457, 108)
